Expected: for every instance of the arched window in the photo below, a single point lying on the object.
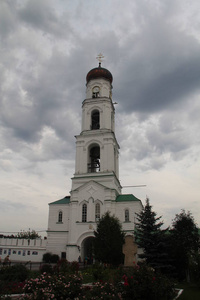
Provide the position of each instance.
(94, 160)
(126, 215)
(84, 213)
(97, 212)
(95, 124)
(60, 216)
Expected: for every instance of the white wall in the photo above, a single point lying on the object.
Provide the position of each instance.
(22, 249)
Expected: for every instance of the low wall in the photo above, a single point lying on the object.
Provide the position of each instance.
(22, 250)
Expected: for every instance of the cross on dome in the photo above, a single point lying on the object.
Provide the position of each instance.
(100, 58)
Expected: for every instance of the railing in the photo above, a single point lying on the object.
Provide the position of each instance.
(94, 167)
(31, 265)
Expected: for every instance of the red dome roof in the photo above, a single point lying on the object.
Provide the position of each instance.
(99, 72)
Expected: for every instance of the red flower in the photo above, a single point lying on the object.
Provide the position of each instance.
(126, 283)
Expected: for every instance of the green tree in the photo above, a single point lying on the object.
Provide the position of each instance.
(151, 238)
(184, 243)
(108, 241)
(30, 235)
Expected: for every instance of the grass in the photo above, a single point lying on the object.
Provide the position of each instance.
(191, 292)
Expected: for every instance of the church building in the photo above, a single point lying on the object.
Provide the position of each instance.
(95, 186)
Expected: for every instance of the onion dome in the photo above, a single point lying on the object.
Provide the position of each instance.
(99, 72)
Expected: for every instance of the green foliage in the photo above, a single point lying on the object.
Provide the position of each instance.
(14, 273)
(12, 279)
(184, 243)
(106, 273)
(143, 283)
(138, 283)
(151, 238)
(103, 290)
(29, 235)
(50, 258)
(109, 240)
(195, 268)
(52, 287)
(46, 268)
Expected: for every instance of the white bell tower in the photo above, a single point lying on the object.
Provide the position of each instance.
(97, 149)
(95, 185)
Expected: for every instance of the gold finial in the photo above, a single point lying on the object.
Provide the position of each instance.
(100, 58)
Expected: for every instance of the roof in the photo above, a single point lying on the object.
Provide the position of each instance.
(127, 197)
(65, 200)
(99, 72)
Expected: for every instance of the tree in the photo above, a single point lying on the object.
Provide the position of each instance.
(109, 240)
(30, 235)
(184, 242)
(151, 238)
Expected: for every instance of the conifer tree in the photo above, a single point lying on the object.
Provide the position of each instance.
(185, 243)
(151, 238)
(108, 241)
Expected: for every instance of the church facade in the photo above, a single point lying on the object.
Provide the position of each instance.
(95, 186)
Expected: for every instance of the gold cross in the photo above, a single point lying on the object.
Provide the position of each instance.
(100, 58)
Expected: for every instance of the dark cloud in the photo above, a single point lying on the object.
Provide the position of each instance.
(156, 70)
(161, 70)
(41, 15)
(8, 19)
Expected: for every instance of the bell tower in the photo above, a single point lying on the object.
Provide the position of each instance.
(97, 149)
(95, 184)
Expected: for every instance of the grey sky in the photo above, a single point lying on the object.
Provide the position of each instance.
(153, 52)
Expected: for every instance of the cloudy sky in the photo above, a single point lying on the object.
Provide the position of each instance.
(47, 47)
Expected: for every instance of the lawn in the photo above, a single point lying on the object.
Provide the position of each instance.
(191, 292)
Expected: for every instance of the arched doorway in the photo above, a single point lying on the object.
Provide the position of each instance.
(87, 250)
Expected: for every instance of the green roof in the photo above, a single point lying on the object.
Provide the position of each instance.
(65, 200)
(127, 197)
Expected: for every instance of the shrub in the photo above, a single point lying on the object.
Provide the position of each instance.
(14, 273)
(46, 268)
(47, 257)
(142, 283)
(54, 258)
(12, 279)
(50, 258)
(104, 291)
(53, 287)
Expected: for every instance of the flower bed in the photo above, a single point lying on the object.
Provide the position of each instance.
(137, 283)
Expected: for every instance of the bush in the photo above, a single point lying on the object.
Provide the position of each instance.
(14, 273)
(12, 279)
(54, 258)
(142, 283)
(47, 268)
(53, 287)
(50, 258)
(102, 290)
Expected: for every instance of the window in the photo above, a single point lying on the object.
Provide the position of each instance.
(14, 252)
(19, 252)
(5, 251)
(84, 213)
(28, 252)
(0, 251)
(95, 120)
(126, 215)
(94, 165)
(60, 215)
(97, 212)
(34, 253)
(9, 251)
